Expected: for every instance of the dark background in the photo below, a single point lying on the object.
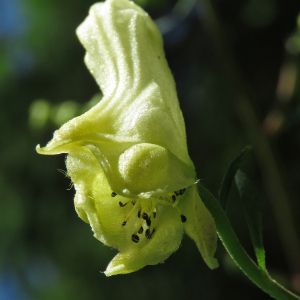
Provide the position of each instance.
(248, 55)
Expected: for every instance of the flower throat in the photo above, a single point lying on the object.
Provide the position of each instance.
(147, 212)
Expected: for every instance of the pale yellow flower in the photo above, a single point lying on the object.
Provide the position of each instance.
(127, 156)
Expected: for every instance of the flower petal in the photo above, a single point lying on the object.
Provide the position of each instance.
(142, 170)
(165, 241)
(200, 226)
(94, 204)
(93, 201)
(125, 55)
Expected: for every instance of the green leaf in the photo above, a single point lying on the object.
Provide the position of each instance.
(229, 176)
(237, 252)
(251, 204)
(253, 213)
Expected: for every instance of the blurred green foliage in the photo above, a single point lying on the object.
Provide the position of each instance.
(46, 251)
(259, 13)
(43, 114)
(292, 44)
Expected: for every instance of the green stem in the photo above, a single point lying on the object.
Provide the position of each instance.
(237, 252)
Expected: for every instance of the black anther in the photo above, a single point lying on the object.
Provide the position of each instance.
(113, 194)
(141, 230)
(124, 223)
(121, 204)
(181, 191)
(147, 234)
(148, 221)
(135, 238)
(173, 198)
(183, 218)
(144, 216)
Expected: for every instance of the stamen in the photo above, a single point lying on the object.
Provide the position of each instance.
(146, 213)
(139, 229)
(113, 194)
(135, 238)
(151, 221)
(148, 234)
(163, 200)
(180, 192)
(122, 205)
(148, 221)
(173, 198)
(131, 212)
(183, 218)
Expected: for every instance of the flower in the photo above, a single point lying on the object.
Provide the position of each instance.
(127, 156)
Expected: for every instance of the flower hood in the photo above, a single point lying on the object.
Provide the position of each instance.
(127, 156)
